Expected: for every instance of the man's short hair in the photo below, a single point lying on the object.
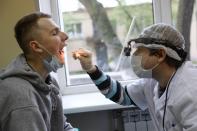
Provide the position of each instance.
(169, 60)
(24, 29)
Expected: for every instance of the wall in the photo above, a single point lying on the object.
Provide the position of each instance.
(96, 121)
(130, 119)
(10, 12)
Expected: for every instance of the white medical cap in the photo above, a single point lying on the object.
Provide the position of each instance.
(163, 31)
(163, 36)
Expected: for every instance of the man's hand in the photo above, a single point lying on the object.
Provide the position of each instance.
(85, 58)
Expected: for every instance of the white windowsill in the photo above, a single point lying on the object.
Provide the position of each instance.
(78, 103)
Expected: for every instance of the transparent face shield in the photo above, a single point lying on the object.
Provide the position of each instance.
(131, 65)
(172, 51)
(124, 65)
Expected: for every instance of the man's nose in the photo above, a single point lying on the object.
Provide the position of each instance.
(64, 36)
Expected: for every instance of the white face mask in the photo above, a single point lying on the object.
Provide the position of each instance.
(136, 62)
(51, 63)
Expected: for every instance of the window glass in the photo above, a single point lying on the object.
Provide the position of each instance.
(184, 18)
(73, 30)
(103, 27)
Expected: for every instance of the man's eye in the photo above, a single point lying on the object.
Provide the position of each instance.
(54, 33)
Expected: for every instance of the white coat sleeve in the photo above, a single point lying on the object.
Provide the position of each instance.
(136, 91)
(113, 90)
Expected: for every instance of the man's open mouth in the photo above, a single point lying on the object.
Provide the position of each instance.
(61, 52)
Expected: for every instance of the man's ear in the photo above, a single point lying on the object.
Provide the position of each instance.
(35, 46)
(161, 55)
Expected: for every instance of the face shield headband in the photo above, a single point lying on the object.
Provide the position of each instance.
(171, 50)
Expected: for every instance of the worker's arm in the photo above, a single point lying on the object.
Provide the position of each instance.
(112, 89)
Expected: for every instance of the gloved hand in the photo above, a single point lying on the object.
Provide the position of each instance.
(85, 58)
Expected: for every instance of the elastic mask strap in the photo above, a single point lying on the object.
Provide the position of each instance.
(152, 68)
(45, 49)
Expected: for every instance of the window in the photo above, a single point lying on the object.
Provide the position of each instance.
(73, 30)
(184, 18)
(102, 27)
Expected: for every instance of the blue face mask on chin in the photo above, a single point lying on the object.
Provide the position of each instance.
(52, 64)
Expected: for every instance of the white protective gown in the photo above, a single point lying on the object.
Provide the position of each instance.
(181, 110)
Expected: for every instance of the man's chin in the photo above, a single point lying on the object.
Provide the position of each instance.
(61, 61)
(61, 58)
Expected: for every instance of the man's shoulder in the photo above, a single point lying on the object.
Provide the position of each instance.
(16, 89)
(16, 93)
(14, 83)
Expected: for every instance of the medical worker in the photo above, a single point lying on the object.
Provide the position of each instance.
(168, 84)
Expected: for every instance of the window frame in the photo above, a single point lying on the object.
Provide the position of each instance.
(161, 14)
